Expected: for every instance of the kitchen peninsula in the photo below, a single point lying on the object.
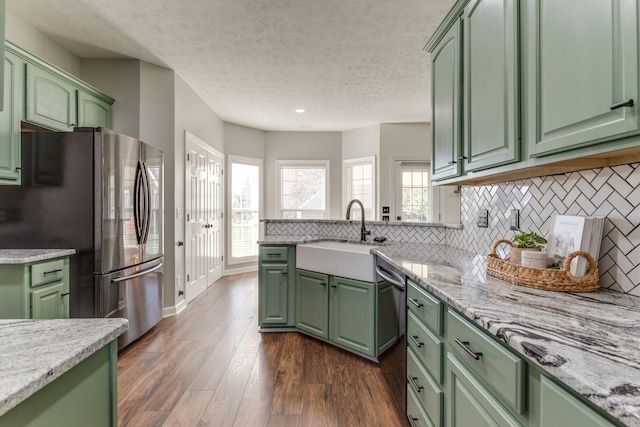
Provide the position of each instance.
(59, 372)
(582, 346)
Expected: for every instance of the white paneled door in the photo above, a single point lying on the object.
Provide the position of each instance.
(203, 216)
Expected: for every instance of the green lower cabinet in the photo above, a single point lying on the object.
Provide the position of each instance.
(415, 413)
(84, 396)
(428, 392)
(469, 403)
(48, 302)
(276, 279)
(312, 303)
(353, 314)
(560, 408)
(38, 290)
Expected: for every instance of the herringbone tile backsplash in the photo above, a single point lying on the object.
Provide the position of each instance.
(612, 192)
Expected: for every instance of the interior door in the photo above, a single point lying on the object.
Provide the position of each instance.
(195, 221)
(214, 217)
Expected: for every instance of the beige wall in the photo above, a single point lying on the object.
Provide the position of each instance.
(303, 146)
(29, 38)
(191, 114)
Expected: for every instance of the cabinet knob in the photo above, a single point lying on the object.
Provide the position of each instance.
(452, 162)
(628, 103)
(462, 158)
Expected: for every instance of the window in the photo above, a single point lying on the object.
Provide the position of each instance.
(244, 197)
(415, 198)
(303, 189)
(360, 183)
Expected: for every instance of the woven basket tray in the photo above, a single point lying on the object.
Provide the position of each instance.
(547, 279)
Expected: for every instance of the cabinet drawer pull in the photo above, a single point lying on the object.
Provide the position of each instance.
(416, 302)
(465, 345)
(413, 420)
(52, 272)
(414, 383)
(273, 254)
(64, 295)
(285, 274)
(628, 103)
(414, 338)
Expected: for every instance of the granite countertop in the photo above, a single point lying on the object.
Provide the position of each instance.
(589, 341)
(23, 256)
(36, 352)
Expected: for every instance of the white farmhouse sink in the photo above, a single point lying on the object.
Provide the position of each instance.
(350, 260)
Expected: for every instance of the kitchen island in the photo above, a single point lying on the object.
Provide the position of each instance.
(589, 342)
(59, 372)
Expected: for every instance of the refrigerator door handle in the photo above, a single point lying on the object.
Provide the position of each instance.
(138, 274)
(138, 196)
(147, 210)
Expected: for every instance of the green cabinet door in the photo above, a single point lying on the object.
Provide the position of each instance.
(445, 106)
(577, 69)
(274, 294)
(470, 404)
(353, 320)
(51, 100)
(10, 121)
(491, 102)
(559, 408)
(49, 302)
(92, 111)
(312, 303)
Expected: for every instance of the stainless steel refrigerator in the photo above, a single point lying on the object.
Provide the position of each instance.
(100, 193)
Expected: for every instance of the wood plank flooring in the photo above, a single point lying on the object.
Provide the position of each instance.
(209, 366)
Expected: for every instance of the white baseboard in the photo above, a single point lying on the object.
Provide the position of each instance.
(174, 310)
(249, 269)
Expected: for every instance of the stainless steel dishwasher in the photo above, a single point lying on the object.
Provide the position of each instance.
(393, 361)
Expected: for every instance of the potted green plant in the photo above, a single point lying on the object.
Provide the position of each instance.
(525, 241)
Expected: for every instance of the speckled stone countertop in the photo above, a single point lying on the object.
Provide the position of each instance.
(36, 352)
(589, 341)
(23, 256)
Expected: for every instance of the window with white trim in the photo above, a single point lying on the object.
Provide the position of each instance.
(303, 189)
(416, 199)
(244, 197)
(359, 179)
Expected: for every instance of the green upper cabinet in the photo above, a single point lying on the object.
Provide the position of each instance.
(490, 63)
(578, 71)
(445, 103)
(10, 121)
(51, 100)
(2, 30)
(92, 111)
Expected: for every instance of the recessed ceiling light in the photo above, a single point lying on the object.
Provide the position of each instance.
(300, 110)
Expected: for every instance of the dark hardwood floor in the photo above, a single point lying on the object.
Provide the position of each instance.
(209, 366)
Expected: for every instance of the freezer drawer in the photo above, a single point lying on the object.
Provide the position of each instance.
(135, 294)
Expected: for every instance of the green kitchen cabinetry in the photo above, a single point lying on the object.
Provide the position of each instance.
(312, 303)
(10, 163)
(445, 105)
(578, 71)
(93, 111)
(51, 100)
(38, 290)
(86, 395)
(276, 286)
(460, 375)
(490, 84)
(475, 106)
(356, 315)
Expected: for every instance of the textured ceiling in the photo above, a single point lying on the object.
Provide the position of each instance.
(348, 63)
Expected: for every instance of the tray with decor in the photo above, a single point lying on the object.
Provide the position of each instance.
(548, 279)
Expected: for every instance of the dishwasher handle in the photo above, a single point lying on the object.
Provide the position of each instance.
(390, 276)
